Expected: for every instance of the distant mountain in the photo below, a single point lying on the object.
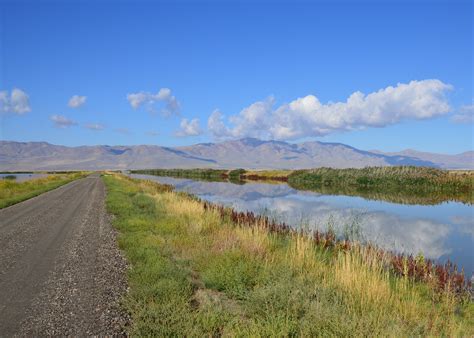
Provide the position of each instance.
(45, 156)
(459, 161)
(246, 153)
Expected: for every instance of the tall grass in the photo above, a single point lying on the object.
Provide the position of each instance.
(408, 183)
(12, 192)
(196, 273)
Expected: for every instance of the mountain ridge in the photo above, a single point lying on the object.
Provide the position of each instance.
(249, 153)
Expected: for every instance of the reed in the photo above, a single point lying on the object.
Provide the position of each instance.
(404, 178)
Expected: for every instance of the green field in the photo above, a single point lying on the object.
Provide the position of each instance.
(12, 192)
(194, 272)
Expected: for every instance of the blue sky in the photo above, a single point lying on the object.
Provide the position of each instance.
(279, 70)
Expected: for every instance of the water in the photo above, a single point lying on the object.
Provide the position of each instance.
(440, 232)
(24, 177)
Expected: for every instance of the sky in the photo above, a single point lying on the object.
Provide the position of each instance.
(387, 75)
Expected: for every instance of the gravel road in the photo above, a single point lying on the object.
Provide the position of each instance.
(61, 272)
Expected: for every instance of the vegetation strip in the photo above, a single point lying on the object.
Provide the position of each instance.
(405, 184)
(12, 192)
(426, 184)
(197, 269)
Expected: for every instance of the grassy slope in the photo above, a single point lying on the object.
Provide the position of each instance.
(194, 274)
(12, 192)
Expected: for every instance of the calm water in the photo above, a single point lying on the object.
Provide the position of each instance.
(440, 232)
(24, 177)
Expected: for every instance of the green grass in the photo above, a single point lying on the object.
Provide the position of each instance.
(12, 192)
(269, 173)
(193, 273)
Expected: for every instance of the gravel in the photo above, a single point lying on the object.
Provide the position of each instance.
(61, 271)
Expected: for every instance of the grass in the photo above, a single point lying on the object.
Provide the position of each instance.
(204, 174)
(269, 174)
(196, 273)
(397, 184)
(12, 192)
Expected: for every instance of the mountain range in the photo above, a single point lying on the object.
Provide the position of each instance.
(246, 153)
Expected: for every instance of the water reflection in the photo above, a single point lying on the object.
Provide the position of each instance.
(440, 232)
(399, 197)
(23, 177)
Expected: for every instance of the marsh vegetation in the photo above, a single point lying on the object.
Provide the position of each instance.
(399, 184)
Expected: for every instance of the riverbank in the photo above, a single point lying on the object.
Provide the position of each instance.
(197, 270)
(12, 192)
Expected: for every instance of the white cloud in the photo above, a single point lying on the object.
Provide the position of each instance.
(149, 100)
(152, 133)
(307, 116)
(216, 125)
(16, 102)
(189, 128)
(465, 115)
(61, 121)
(94, 126)
(76, 101)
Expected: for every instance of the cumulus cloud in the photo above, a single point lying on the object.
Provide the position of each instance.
(76, 101)
(16, 102)
(150, 101)
(307, 116)
(216, 125)
(94, 126)
(189, 128)
(61, 121)
(465, 115)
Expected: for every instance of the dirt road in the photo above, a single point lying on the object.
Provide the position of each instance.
(61, 272)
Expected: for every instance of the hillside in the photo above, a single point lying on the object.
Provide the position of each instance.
(247, 153)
